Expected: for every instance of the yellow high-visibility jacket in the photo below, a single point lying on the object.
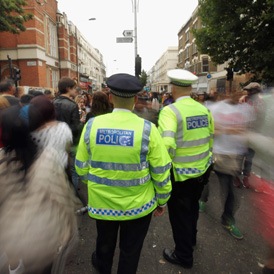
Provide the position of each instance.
(187, 129)
(124, 161)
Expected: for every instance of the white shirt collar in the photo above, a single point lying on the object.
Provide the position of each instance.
(121, 109)
(182, 97)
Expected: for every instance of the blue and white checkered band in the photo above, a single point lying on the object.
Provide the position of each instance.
(180, 84)
(124, 94)
(118, 213)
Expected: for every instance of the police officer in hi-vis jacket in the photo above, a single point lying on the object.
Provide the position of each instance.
(126, 166)
(187, 129)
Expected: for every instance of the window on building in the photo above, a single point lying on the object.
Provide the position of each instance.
(52, 39)
(194, 48)
(187, 53)
(181, 41)
(180, 57)
(205, 64)
(187, 35)
(54, 78)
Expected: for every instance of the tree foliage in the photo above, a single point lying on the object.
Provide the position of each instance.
(143, 77)
(240, 32)
(13, 16)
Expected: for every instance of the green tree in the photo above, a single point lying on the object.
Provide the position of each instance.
(240, 32)
(13, 16)
(143, 77)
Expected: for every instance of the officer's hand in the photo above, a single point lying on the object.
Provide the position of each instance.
(159, 211)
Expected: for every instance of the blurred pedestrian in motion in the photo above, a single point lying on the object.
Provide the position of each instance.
(187, 130)
(80, 101)
(254, 100)
(126, 167)
(67, 111)
(155, 101)
(35, 92)
(100, 105)
(168, 100)
(48, 94)
(231, 120)
(8, 89)
(143, 108)
(262, 180)
(46, 131)
(3, 104)
(201, 96)
(87, 102)
(38, 226)
(25, 99)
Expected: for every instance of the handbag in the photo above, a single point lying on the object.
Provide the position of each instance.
(227, 164)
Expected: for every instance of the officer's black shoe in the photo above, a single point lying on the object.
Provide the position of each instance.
(94, 261)
(170, 256)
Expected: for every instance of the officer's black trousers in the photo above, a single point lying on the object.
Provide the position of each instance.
(183, 209)
(132, 235)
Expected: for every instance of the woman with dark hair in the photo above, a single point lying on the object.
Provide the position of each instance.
(38, 226)
(100, 105)
(87, 102)
(46, 131)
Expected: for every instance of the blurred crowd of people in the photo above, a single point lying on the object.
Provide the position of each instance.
(39, 134)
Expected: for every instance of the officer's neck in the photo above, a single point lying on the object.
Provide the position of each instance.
(178, 92)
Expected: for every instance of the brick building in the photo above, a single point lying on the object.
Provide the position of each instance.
(51, 47)
(190, 58)
(35, 51)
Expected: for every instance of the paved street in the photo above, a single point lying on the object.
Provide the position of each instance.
(216, 250)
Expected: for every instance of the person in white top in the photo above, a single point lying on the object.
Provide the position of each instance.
(231, 120)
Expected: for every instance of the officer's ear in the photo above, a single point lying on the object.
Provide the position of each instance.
(135, 99)
(110, 98)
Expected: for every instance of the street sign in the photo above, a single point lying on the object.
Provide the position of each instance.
(128, 33)
(124, 39)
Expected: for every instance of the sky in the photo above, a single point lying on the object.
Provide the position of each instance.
(158, 24)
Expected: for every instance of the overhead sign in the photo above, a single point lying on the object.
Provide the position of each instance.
(128, 33)
(124, 39)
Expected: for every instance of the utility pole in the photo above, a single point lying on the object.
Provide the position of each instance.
(135, 28)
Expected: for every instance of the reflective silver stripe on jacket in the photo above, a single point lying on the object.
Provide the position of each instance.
(118, 183)
(145, 141)
(118, 213)
(119, 166)
(193, 143)
(161, 184)
(168, 133)
(194, 158)
(84, 177)
(162, 196)
(87, 133)
(160, 169)
(81, 164)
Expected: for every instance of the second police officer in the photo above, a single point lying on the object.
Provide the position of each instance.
(127, 168)
(187, 129)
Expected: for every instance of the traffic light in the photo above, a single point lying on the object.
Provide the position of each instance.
(229, 74)
(138, 65)
(16, 74)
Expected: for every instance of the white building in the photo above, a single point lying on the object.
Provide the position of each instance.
(158, 80)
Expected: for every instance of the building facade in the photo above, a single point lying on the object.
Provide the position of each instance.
(190, 58)
(35, 51)
(158, 80)
(50, 48)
